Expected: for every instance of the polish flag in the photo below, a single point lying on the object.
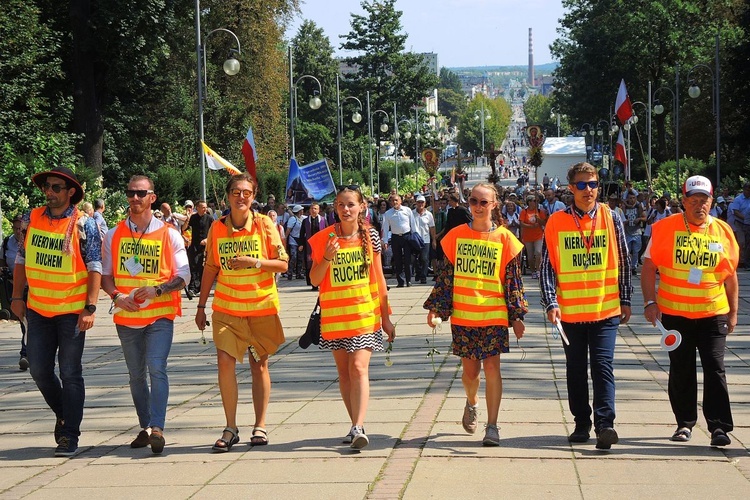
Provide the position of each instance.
(623, 107)
(620, 152)
(250, 153)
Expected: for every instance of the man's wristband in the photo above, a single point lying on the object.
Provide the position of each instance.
(16, 298)
(649, 303)
(200, 306)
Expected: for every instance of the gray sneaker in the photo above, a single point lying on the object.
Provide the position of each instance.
(470, 418)
(348, 438)
(491, 436)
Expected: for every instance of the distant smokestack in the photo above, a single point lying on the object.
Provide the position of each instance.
(531, 59)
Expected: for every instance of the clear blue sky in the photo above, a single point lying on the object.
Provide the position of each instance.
(462, 32)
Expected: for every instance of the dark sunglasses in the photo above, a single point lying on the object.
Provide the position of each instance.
(581, 185)
(142, 193)
(351, 187)
(474, 202)
(56, 188)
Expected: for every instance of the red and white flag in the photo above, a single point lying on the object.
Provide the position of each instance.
(250, 153)
(623, 106)
(621, 154)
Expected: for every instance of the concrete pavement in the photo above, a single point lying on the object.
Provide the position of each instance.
(418, 448)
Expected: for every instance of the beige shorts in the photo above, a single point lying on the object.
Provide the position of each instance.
(234, 334)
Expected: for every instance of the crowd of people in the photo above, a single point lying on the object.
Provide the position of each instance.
(583, 252)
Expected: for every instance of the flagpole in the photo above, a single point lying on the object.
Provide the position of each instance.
(649, 135)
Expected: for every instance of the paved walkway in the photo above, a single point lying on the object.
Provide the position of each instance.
(418, 448)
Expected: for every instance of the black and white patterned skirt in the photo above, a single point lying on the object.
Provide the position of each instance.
(372, 341)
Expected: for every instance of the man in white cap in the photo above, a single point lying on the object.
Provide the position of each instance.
(696, 256)
(425, 226)
(293, 229)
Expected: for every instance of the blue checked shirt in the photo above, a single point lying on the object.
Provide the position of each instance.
(548, 279)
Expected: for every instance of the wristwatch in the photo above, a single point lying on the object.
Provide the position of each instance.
(257, 264)
(90, 308)
(159, 291)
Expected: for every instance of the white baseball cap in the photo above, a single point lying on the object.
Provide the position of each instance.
(420, 198)
(296, 208)
(697, 184)
(188, 203)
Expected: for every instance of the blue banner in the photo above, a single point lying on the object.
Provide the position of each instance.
(308, 183)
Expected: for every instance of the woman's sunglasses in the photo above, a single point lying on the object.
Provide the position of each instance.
(483, 203)
(351, 187)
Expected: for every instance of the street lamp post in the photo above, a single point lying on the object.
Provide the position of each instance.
(694, 92)
(587, 128)
(383, 128)
(356, 118)
(556, 114)
(397, 136)
(314, 102)
(231, 67)
(659, 109)
(482, 115)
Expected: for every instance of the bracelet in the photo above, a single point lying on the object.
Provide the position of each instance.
(327, 260)
(114, 294)
(16, 298)
(649, 303)
(200, 306)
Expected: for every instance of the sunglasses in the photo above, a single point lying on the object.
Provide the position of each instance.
(244, 192)
(581, 185)
(483, 203)
(56, 188)
(351, 187)
(142, 193)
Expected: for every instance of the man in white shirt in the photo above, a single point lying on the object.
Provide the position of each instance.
(425, 226)
(293, 229)
(398, 221)
(551, 204)
(738, 216)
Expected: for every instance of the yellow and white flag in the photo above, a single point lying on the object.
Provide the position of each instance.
(216, 162)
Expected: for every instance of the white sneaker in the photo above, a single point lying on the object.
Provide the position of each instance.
(359, 438)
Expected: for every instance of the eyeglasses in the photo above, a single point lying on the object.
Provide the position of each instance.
(351, 187)
(56, 188)
(483, 203)
(142, 193)
(581, 185)
(244, 192)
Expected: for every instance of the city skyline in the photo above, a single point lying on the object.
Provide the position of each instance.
(503, 19)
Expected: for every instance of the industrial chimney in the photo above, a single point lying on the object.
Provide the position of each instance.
(531, 59)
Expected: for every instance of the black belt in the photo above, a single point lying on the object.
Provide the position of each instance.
(402, 234)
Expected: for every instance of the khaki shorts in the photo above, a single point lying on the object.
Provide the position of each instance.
(234, 334)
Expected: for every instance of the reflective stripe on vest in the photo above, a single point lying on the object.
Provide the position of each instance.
(155, 254)
(242, 292)
(58, 282)
(479, 261)
(587, 281)
(674, 251)
(349, 304)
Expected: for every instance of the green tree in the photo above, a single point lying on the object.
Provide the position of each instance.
(451, 104)
(604, 41)
(312, 54)
(384, 69)
(495, 128)
(538, 111)
(450, 80)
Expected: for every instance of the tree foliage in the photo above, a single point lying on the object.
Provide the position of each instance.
(390, 74)
(451, 104)
(450, 80)
(495, 128)
(603, 41)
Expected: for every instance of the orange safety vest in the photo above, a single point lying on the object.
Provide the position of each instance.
(155, 252)
(479, 261)
(57, 281)
(243, 292)
(349, 301)
(674, 251)
(587, 280)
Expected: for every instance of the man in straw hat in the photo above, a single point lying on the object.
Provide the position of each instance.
(63, 272)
